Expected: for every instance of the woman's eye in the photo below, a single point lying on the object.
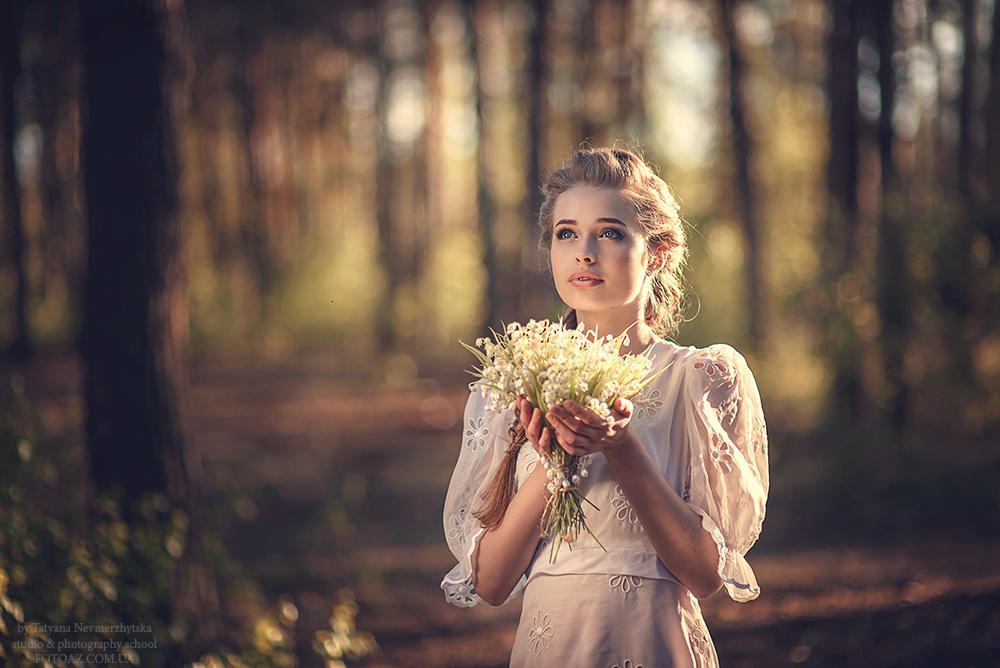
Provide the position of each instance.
(564, 233)
(612, 233)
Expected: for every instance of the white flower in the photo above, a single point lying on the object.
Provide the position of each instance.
(550, 365)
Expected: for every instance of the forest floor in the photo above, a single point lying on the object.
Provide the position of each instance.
(320, 482)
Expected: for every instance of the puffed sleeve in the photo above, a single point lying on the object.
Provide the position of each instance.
(485, 438)
(727, 440)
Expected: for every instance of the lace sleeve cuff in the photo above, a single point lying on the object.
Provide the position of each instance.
(735, 572)
(457, 584)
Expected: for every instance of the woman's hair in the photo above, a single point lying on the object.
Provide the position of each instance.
(497, 496)
(656, 212)
(658, 215)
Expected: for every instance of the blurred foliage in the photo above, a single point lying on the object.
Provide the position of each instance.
(72, 578)
(290, 238)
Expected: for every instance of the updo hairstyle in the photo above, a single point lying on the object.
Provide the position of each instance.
(656, 212)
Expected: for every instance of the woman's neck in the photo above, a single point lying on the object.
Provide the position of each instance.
(640, 335)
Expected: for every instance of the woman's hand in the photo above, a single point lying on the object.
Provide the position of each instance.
(581, 431)
(538, 435)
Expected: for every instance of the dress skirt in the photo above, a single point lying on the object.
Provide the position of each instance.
(595, 620)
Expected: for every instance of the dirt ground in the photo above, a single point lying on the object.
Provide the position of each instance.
(320, 482)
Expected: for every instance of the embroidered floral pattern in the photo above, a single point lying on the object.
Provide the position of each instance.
(648, 403)
(627, 663)
(758, 434)
(476, 433)
(711, 367)
(623, 508)
(699, 642)
(462, 594)
(721, 454)
(531, 460)
(626, 583)
(455, 522)
(540, 633)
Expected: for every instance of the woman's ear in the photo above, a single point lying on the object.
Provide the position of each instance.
(656, 259)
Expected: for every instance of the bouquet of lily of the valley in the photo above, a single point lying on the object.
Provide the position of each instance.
(550, 364)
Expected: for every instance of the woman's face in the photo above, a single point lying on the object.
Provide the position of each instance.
(599, 258)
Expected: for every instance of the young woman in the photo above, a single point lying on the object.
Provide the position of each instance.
(679, 474)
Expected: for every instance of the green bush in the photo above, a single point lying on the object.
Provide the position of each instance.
(82, 585)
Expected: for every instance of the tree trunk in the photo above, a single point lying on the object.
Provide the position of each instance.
(627, 76)
(588, 52)
(248, 76)
(135, 318)
(532, 284)
(965, 104)
(432, 148)
(637, 117)
(993, 133)
(485, 202)
(10, 196)
(956, 271)
(893, 303)
(841, 337)
(387, 335)
(745, 193)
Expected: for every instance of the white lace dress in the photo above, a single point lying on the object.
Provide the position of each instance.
(702, 424)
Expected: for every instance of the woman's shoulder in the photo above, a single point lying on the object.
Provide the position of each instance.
(708, 365)
(723, 353)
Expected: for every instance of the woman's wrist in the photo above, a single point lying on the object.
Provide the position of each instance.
(624, 445)
(537, 478)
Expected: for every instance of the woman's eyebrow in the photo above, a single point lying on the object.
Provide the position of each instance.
(570, 221)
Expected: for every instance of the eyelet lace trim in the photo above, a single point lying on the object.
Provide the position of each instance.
(699, 642)
(625, 583)
(455, 522)
(647, 403)
(540, 633)
(623, 508)
(462, 594)
(476, 433)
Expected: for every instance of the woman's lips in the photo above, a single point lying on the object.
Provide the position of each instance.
(585, 279)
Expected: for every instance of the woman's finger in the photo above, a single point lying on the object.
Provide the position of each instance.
(545, 442)
(534, 426)
(571, 441)
(583, 428)
(536, 421)
(524, 409)
(585, 415)
(623, 407)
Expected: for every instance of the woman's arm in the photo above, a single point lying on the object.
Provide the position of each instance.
(504, 552)
(674, 530)
(672, 527)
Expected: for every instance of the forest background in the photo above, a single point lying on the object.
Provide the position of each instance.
(241, 242)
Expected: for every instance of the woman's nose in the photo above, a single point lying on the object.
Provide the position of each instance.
(585, 254)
